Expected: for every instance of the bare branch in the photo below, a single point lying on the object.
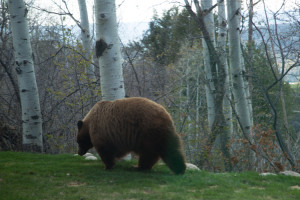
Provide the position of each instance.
(130, 60)
(63, 13)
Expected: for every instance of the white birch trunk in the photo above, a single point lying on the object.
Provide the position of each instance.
(221, 45)
(109, 53)
(111, 74)
(31, 114)
(238, 85)
(247, 91)
(86, 37)
(209, 87)
(197, 101)
(250, 52)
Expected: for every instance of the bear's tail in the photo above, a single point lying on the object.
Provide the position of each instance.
(173, 154)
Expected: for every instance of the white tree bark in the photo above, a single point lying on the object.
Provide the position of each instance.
(209, 87)
(250, 53)
(218, 78)
(108, 50)
(31, 114)
(86, 36)
(221, 46)
(238, 85)
(247, 91)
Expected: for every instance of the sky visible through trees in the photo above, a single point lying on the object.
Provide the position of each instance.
(134, 15)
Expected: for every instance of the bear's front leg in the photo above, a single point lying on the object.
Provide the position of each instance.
(107, 155)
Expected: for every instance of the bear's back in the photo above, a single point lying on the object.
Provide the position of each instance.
(142, 110)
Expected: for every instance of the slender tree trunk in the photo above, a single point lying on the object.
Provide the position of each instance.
(238, 85)
(250, 54)
(233, 11)
(246, 83)
(108, 51)
(198, 100)
(86, 37)
(209, 86)
(250, 43)
(186, 110)
(218, 78)
(221, 45)
(31, 114)
(250, 48)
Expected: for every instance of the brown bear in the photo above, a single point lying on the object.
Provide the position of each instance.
(139, 125)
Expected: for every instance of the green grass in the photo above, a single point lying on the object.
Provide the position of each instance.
(40, 176)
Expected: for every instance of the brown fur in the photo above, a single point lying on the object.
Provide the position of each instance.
(116, 128)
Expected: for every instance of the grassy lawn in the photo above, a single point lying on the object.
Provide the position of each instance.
(40, 176)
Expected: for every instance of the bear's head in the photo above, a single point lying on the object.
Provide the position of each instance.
(83, 138)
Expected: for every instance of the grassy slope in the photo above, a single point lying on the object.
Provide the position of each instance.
(38, 176)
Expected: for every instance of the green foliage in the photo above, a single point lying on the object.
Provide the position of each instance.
(40, 176)
(166, 34)
(263, 78)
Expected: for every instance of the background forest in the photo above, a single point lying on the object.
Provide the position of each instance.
(169, 65)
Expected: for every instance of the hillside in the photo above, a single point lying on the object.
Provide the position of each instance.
(40, 176)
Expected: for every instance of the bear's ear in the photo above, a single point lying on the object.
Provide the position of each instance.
(79, 124)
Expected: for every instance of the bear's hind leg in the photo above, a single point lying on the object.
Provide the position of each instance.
(147, 160)
(107, 155)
